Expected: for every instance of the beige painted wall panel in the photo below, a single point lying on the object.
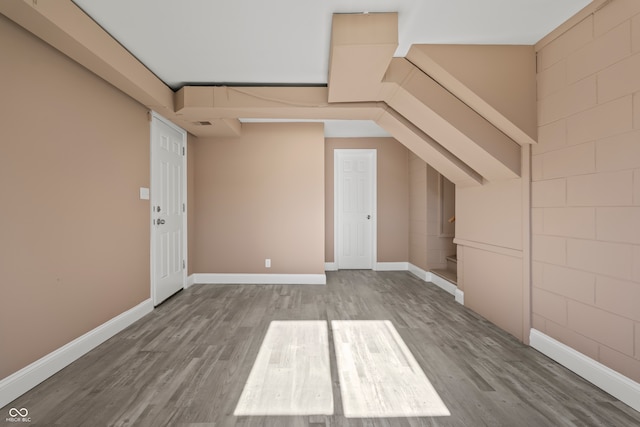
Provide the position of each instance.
(636, 110)
(613, 14)
(551, 137)
(552, 80)
(550, 193)
(260, 196)
(568, 42)
(418, 212)
(536, 168)
(570, 222)
(537, 220)
(599, 325)
(603, 189)
(552, 306)
(577, 341)
(620, 79)
(599, 54)
(491, 214)
(611, 259)
(552, 250)
(636, 187)
(635, 34)
(393, 195)
(572, 99)
(588, 125)
(74, 152)
(493, 288)
(635, 274)
(571, 283)
(618, 152)
(574, 160)
(637, 328)
(619, 224)
(622, 363)
(618, 296)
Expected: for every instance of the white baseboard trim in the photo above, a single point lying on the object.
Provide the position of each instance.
(259, 279)
(614, 383)
(330, 266)
(18, 383)
(190, 281)
(391, 266)
(444, 284)
(459, 296)
(418, 272)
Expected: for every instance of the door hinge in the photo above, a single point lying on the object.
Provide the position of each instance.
(183, 264)
(183, 151)
(184, 209)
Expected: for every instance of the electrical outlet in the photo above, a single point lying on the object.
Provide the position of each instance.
(267, 263)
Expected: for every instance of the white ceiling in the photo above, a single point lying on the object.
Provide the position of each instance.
(287, 41)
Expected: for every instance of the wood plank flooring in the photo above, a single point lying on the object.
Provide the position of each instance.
(379, 377)
(291, 374)
(186, 363)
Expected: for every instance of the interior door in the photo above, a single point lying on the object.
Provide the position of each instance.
(355, 204)
(168, 208)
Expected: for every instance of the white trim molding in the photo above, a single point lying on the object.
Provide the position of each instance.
(459, 296)
(443, 284)
(259, 279)
(330, 266)
(191, 280)
(614, 383)
(419, 273)
(18, 383)
(391, 266)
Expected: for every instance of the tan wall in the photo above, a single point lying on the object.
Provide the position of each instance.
(259, 196)
(428, 246)
(586, 188)
(392, 196)
(418, 212)
(74, 245)
(491, 231)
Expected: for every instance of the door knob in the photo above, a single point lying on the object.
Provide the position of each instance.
(368, 216)
(160, 221)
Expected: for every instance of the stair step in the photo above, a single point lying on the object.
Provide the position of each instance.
(447, 275)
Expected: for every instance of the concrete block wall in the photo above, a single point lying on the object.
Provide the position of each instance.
(586, 189)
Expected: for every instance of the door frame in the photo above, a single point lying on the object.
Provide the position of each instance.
(337, 204)
(154, 119)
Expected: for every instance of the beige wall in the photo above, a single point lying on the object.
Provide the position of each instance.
(392, 196)
(74, 236)
(260, 196)
(428, 245)
(586, 188)
(491, 231)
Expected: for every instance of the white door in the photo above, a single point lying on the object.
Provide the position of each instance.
(355, 208)
(168, 208)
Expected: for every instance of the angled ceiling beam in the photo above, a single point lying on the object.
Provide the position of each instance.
(451, 122)
(497, 81)
(195, 103)
(362, 46)
(67, 28)
(428, 149)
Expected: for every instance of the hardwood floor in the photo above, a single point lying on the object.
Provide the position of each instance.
(186, 363)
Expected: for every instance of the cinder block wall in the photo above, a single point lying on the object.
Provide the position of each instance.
(586, 189)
